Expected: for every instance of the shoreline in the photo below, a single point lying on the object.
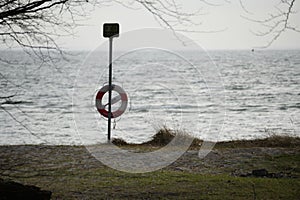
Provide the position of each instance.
(157, 142)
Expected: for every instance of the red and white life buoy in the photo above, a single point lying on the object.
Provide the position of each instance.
(122, 95)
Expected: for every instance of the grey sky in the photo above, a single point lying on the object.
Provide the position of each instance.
(227, 16)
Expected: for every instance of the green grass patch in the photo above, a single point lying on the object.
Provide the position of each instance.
(110, 184)
(70, 172)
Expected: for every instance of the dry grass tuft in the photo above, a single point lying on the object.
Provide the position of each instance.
(119, 142)
(161, 138)
(165, 135)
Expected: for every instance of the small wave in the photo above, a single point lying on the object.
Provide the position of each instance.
(252, 106)
(238, 109)
(266, 94)
(68, 112)
(16, 102)
(297, 105)
(237, 87)
(261, 110)
(283, 108)
(139, 110)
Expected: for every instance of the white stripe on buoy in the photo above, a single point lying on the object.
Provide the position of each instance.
(122, 96)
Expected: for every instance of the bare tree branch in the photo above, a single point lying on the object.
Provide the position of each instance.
(244, 7)
(34, 26)
(276, 23)
(20, 123)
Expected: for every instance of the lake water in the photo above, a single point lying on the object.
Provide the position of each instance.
(257, 95)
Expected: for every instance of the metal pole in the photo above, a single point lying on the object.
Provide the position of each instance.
(110, 89)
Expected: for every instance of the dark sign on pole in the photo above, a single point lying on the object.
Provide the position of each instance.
(111, 30)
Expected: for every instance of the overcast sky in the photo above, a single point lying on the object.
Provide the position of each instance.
(237, 33)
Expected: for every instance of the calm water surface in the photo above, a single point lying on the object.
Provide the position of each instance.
(56, 104)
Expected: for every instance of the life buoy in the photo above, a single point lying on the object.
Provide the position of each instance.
(122, 95)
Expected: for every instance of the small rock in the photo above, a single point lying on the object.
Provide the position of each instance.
(15, 191)
(260, 172)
